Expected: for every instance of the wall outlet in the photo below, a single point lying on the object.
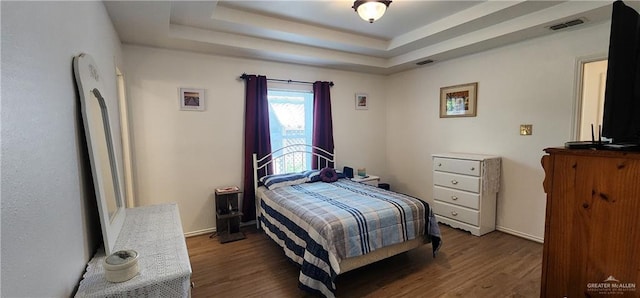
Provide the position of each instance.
(526, 129)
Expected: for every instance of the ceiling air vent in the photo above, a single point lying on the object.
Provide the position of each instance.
(425, 62)
(566, 24)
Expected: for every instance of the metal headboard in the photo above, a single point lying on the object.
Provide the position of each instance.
(284, 157)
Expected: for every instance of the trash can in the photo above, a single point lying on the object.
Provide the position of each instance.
(384, 186)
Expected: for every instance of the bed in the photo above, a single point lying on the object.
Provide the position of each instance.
(328, 224)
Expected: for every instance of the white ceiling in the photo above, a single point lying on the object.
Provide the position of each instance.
(330, 33)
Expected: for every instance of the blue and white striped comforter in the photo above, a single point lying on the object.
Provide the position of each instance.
(319, 224)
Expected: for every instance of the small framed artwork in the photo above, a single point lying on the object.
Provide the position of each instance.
(191, 99)
(459, 100)
(361, 101)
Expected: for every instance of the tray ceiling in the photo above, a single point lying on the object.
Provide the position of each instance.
(330, 34)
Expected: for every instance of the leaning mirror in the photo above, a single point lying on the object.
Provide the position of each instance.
(101, 149)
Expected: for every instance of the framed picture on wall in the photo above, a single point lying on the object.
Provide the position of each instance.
(191, 99)
(361, 101)
(459, 100)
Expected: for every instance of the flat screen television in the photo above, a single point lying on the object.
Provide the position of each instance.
(621, 120)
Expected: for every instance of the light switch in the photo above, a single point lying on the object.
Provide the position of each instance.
(526, 129)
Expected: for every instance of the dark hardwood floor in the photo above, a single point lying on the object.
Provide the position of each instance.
(494, 265)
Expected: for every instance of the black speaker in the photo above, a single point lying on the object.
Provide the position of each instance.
(348, 172)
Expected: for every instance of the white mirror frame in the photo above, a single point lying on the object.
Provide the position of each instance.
(91, 88)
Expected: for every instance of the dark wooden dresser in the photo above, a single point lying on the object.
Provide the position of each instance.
(592, 226)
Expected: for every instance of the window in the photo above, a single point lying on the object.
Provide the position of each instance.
(290, 122)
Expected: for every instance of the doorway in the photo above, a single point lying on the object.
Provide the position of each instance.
(592, 83)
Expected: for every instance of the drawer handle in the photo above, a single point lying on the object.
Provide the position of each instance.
(454, 213)
(454, 198)
(473, 169)
(454, 182)
(439, 164)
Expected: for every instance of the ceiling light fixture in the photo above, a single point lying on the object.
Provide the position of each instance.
(370, 10)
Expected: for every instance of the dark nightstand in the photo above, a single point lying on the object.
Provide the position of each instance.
(228, 215)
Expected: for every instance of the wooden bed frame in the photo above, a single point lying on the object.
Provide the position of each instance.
(284, 155)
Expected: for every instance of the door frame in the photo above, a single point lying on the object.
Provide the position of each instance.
(577, 103)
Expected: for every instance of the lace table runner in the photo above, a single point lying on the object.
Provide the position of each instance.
(155, 232)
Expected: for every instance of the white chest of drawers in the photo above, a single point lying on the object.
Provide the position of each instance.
(465, 188)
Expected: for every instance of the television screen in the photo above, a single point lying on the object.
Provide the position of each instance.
(621, 120)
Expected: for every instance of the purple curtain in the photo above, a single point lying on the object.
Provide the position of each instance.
(256, 136)
(322, 124)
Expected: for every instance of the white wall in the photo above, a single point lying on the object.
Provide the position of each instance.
(49, 215)
(531, 82)
(181, 156)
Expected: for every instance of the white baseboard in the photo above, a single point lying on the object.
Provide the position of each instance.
(499, 228)
(200, 232)
(213, 230)
(520, 234)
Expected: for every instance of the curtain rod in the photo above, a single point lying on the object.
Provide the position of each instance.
(244, 76)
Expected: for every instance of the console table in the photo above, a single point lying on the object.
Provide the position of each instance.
(155, 232)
